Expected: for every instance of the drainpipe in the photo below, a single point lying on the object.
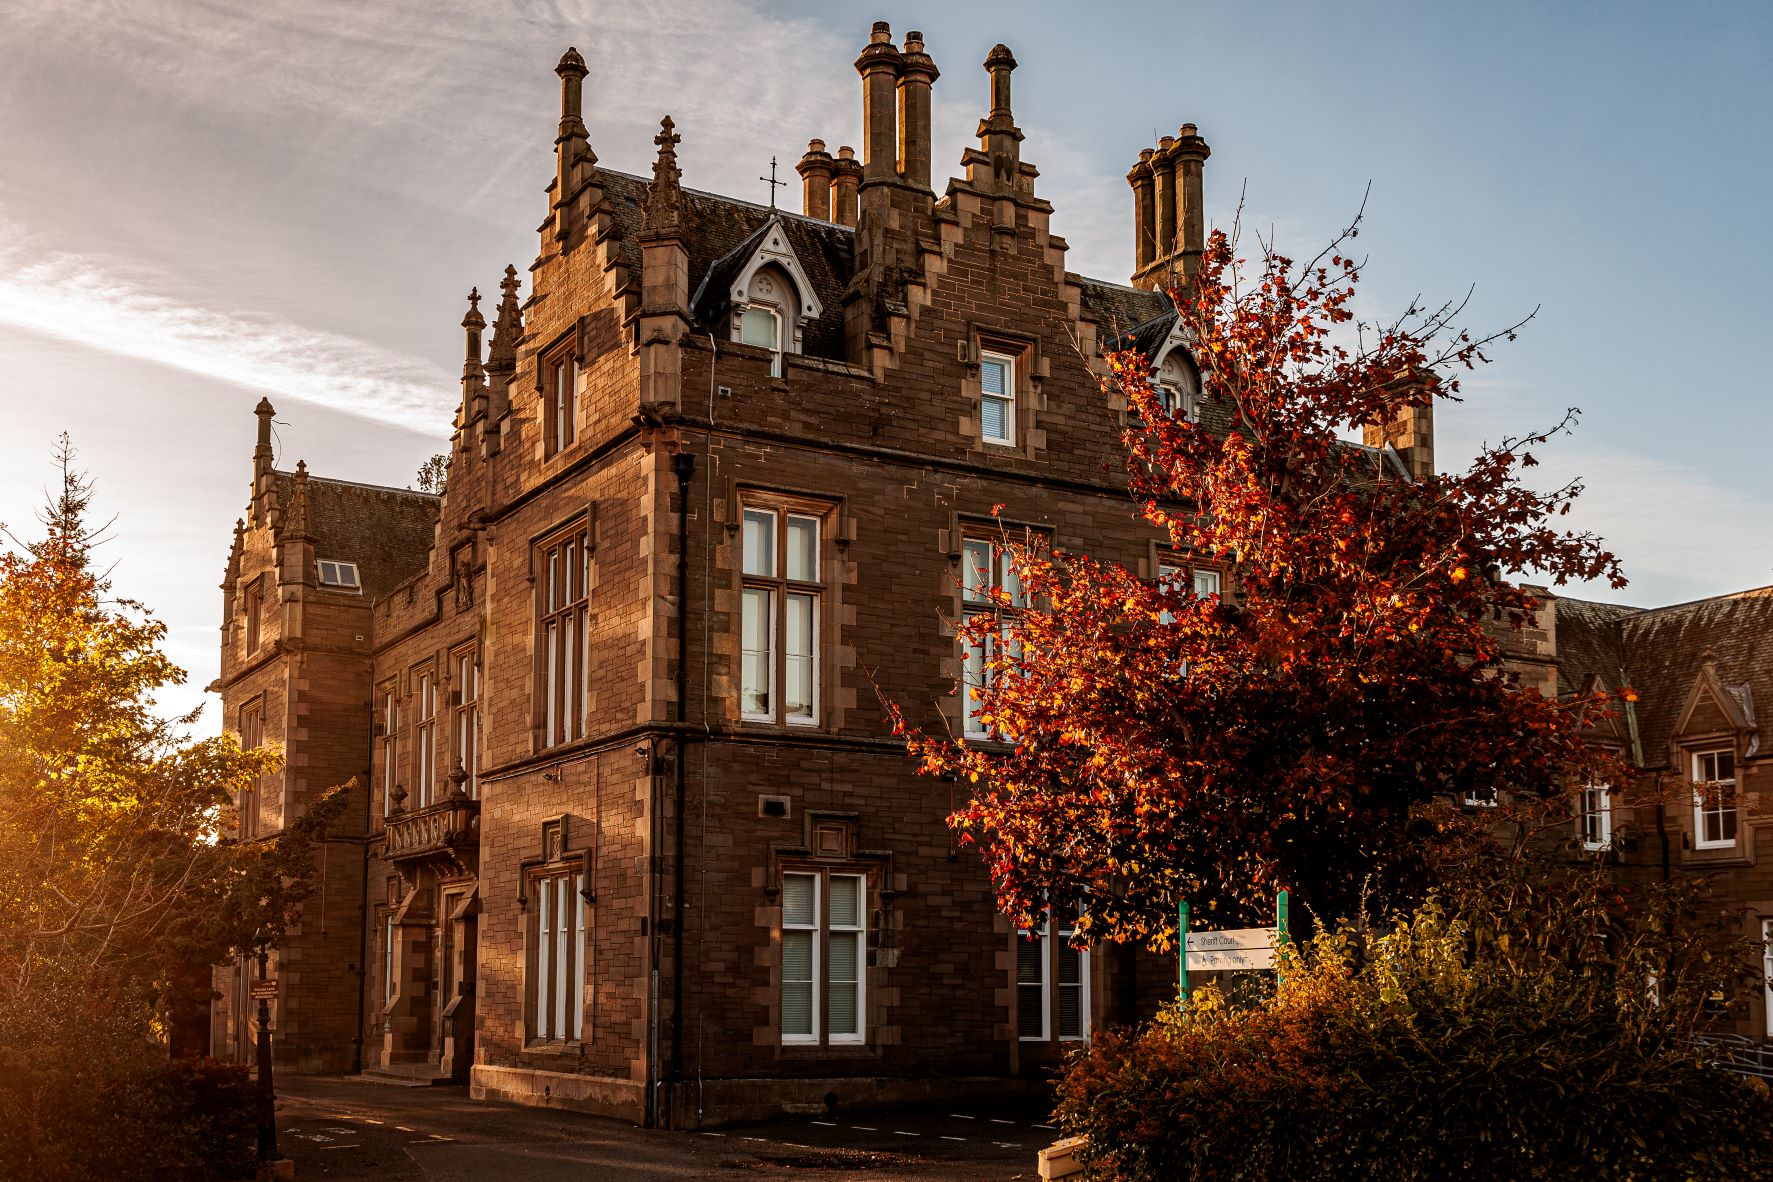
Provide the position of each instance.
(369, 779)
(684, 464)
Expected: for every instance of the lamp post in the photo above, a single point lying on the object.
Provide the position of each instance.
(267, 1096)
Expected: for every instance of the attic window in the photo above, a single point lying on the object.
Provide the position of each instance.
(1179, 386)
(771, 304)
(339, 574)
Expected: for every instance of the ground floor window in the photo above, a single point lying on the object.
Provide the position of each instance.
(824, 953)
(558, 1011)
(1052, 981)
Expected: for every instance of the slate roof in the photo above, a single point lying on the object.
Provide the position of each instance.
(387, 532)
(715, 227)
(1662, 651)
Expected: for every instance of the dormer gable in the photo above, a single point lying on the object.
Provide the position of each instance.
(1715, 708)
(760, 293)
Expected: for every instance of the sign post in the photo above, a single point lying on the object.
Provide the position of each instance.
(1182, 951)
(1280, 926)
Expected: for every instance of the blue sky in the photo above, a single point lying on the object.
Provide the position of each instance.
(208, 202)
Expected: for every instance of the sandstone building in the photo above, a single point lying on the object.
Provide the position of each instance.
(632, 835)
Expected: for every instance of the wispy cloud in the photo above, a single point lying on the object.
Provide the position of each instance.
(84, 300)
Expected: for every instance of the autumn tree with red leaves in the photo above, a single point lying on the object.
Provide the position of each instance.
(1296, 731)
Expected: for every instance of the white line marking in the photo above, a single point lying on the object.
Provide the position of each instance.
(366, 1120)
(996, 1121)
(946, 1138)
(351, 1146)
(403, 1128)
(962, 1116)
(759, 1140)
(713, 1134)
(830, 1124)
(1046, 1126)
(865, 1128)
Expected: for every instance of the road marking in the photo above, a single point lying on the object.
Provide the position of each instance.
(713, 1134)
(404, 1129)
(903, 1133)
(830, 1124)
(355, 1145)
(947, 1138)
(866, 1128)
(366, 1120)
(962, 1116)
(1046, 1126)
(996, 1121)
(441, 1137)
(759, 1140)
(1008, 1144)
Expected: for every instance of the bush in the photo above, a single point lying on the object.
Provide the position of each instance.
(84, 1095)
(1490, 1040)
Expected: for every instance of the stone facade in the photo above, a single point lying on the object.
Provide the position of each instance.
(576, 848)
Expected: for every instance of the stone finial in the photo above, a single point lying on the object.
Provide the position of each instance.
(664, 197)
(571, 63)
(458, 779)
(474, 319)
(473, 372)
(397, 800)
(507, 327)
(296, 523)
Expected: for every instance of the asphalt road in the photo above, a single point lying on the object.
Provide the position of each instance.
(350, 1129)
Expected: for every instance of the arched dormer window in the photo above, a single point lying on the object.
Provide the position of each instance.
(762, 293)
(765, 316)
(1178, 382)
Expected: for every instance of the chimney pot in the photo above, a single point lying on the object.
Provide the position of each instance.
(882, 34)
(847, 173)
(816, 169)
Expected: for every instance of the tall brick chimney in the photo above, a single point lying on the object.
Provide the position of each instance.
(1144, 210)
(1169, 212)
(1410, 430)
(816, 170)
(846, 176)
(880, 65)
(917, 73)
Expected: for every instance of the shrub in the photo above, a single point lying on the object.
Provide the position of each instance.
(1506, 1037)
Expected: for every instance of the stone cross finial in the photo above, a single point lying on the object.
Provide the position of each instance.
(664, 197)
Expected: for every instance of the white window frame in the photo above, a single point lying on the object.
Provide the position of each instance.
(563, 575)
(560, 401)
(1048, 944)
(465, 690)
(977, 579)
(1725, 789)
(1595, 804)
(822, 928)
(772, 578)
(337, 575)
(557, 1001)
(390, 706)
(777, 333)
(1767, 979)
(389, 981)
(424, 682)
(1008, 397)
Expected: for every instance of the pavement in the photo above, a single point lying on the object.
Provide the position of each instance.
(348, 1128)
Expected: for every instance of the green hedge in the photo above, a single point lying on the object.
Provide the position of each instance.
(1501, 1043)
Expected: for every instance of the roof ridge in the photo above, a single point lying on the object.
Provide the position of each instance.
(388, 488)
(799, 217)
(1720, 598)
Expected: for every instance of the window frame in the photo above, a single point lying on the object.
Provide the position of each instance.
(1011, 363)
(1722, 789)
(388, 695)
(555, 993)
(779, 321)
(464, 693)
(563, 646)
(253, 602)
(984, 603)
(250, 730)
(560, 400)
(1767, 978)
(424, 690)
(1051, 941)
(355, 585)
(821, 929)
(782, 589)
(1598, 835)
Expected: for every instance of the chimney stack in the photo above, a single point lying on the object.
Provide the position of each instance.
(1191, 154)
(1169, 212)
(848, 174)
(879, 65)
(998, 133)
(262, 460)
(816, 170)
(917, 73)
(1144, 210)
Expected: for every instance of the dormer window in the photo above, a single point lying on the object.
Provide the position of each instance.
(1179, 386)
(770, 305)
(341, 576)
